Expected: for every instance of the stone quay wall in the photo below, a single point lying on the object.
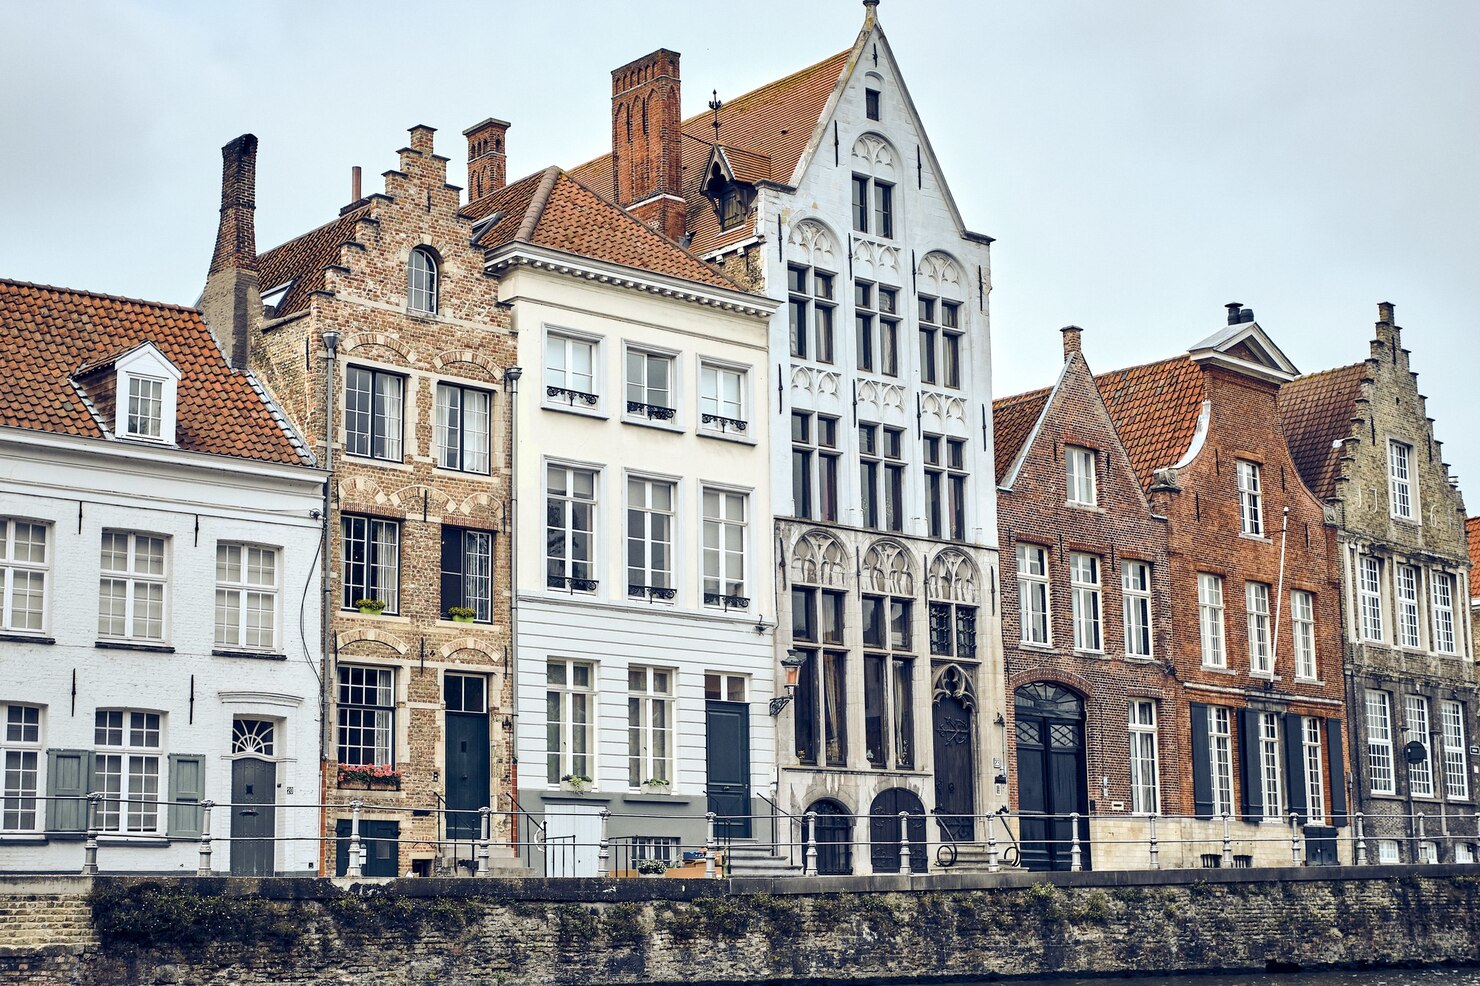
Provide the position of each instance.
(137, 930)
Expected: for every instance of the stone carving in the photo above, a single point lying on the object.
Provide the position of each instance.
(886, 568)
(953, 578)
(812, 244)
(818, 559)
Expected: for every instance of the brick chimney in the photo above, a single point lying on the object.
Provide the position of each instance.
(232, 295)
(646, 152)
(1073, 334)
(487, 169)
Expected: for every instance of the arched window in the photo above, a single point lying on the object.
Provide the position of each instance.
(832, 835)
(818, 597)
(951, 586)
(421, 281)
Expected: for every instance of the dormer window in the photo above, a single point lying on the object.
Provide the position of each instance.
(143, 396)
(145, 407)
(421, 281)
(730, 199)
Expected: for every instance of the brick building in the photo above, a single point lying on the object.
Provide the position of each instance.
(1086, 627)
(822, 190)
(381, 335)
(1365, 446)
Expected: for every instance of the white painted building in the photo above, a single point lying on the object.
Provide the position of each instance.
(643, 559)
(159, 580)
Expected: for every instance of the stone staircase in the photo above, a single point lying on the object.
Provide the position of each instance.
(55, 913)
(750, 859)
(458, 864)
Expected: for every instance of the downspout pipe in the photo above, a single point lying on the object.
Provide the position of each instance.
(326, 736)
(511, 520)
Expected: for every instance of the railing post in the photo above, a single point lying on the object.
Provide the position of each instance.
(1361, 856)
(1294, 839)
(1227, 844)
(1076, 855)
(1418, 839)
(604, 848)
(1155, 849)
(355, 864)
(90, 847)
(485, 833)
(204, 867)
(809, 845)
(709, 845)
(904, 843)
(993, 860)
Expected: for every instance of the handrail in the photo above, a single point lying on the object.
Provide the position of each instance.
(947, 853)
(541, 834)
(776, 809)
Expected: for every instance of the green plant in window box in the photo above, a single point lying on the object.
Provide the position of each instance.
(575, 782)
(370, 607)
(656, 785)
(462, 614)
(651, 867)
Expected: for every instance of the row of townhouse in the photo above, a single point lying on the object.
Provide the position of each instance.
(670, 485)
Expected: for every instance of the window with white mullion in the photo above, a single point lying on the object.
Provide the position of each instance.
(1250, 498)
(1406, 581)
(1416, 719)
(570, 370)
(1380, 742)
(462, 428)
(650, 385)
(1145, 782)
(1256, 601)
(722, 399)
(1369, 596)
(650, 538)
(145, 407)
(724, 533)
(570, 528)
(1079, 466)
(1220, 753)
(570, 720)
(1135, 581)
(1400, 485)
(24, 570)
(1315, 787)
(126, 770)
(1443, 608)
(1084, 584)
(20, 761)
(132, 583)
(1303, 631)
(1033, 593)
(1210, 619)
(246, 596)
(1270, 766)
(1456, 767)
(649, 725)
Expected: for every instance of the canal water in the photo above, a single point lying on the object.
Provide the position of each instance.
(1378, 977)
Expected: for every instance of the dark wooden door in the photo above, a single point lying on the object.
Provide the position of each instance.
(1051, 776)
(884, 830)
(467, 773)
(253, 817)
(381, 841)
(727, 758)
(955, 767)
(832, 834)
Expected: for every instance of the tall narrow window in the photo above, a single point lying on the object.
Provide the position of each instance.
(570, 528)
(371, 562)
(1303, 630)
(126, 770)
(876, 328)
(421, 281)
(372, 413)
(873, 206)
(145, 407)
(721, 399)
(950, 344)
(1135, 586)
(1456, 764)
(1210, 619)
(1256, 601)
(467, 572)
(1416, 718)
(570, 370)
(811, 304)
(1250, 499)
(945, 487)
(1080, 469)
(570, 720)
(1270, 763)
(24, 567)
(1315, 786)
(929, 339)
(132, 581)
(888, 681)
(650, 385)
(462, 433)
(1084, 583)
(724, 549)
(821, 706)
(1145, 782)
(1380, 742)
(1443, 612)
(1369, 596)
(246, 596)
(649, 725)
(814, 466)
(1400, 486)
(871, 103)
(366, 708)
(20, 755)
(1405, 582)
(650, 538)
(881, 476)
(1220, 754)
(1032, 565)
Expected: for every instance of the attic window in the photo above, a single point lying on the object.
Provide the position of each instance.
(871, 103)
(143, 395)
(145, 418)
(273, 297)
(731, 199)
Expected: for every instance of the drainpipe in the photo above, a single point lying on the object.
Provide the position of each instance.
(326, 738)
(511, 521)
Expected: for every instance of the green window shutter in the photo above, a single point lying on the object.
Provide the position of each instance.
(188, 785)
(1202, 768)
(69, 775)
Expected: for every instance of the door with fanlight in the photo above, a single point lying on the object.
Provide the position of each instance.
(1052, 785)
(253, 796)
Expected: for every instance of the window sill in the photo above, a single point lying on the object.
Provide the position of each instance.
(355, 614)
(739, 438)
(27, 638)
(475, 626)
(643, 421)
(258, 655)
(582, 412)
(22, 839)
(1410, 521)
(1092, 508)
(1309, 681)
(1079, 652)
(1150, 659)
(126, 645)
(463, 473)
(1261, 538)
(400, 464)
(127, 839)
(1218, 670)
(1035, 645)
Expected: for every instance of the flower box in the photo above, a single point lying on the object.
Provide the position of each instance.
(369, 777)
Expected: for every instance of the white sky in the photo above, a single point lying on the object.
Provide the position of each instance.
(1140, 163)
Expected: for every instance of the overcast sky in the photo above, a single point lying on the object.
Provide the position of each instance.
(1140, 163)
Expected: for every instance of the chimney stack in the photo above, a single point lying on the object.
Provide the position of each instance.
(646, 153)
(487, 165)
(232, 293)
(1072, 337)
(1385, 313)
(354, 184)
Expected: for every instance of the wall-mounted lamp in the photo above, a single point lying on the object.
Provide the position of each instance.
(792, 662)
(761, 626)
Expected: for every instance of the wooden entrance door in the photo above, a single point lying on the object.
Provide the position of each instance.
(1051, 775)
(954, 725)
(253, 816)
(884, 830)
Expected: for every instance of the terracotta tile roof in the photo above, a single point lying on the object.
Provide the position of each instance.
(302, 260)
(1316, 415)
(775, 121)
(48, 334)
(1472, 534)
(1012, 422)
(552, 209)
(1155, 408)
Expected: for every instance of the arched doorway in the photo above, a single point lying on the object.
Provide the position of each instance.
(832, 834)
(1050, 775)
(253, 796)
(884, 830)
(954, 725)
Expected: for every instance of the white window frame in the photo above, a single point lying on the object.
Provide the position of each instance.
(1144, 758)
(1387, 851)
(391, 415)
(1303, 634)
(662, 414)
(718, 550)
(584, 569)
(1456, 763)
(565, 698)
(1315, 785)
(374, 713)
(1085, 602)
(1033, 595)
(1442, 597)
(132, 807)
(1256, 603)
(1250, 498)
(1369, 596)
(1135, 588)
(422, 288)
(575, 388)
(1271, 766)
(1416, 718)
(658, 527)
(22, 760)
(1079, 476)
(1428, 852)
(722, 414)
(1402, 491)
(35, 574)
(461, 445)
(1210, 620)
(1406, 580)
(135, 583)
(384, 572)
(650, 724)
(1220, 758)
(1381, 769)
(246, 584)
(139, 403)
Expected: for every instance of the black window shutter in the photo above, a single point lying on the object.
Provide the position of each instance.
(1337, 772)
(1202, 774)
(1295, 765)
(1249, 766)
(452, 568)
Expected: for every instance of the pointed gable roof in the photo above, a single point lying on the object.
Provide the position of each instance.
(1013, 420)
(1248, 349)
(1472, 536)
(1316, 413)
(1156, 408)
(300, 262)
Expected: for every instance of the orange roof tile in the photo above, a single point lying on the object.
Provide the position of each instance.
(1155, 408)
(48, 334)
(1472, 534)
(1013, 419)
(1316, 415)
(301, 261)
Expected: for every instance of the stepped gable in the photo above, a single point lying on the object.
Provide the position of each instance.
(1316, 413)
(49, 335)
(300, 262)
(763, 133)
(552, 209)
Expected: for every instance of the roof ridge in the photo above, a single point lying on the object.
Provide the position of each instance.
(1329, 370)
(321, 226)
(1019, 398)
(537, 202)
(10, 282)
